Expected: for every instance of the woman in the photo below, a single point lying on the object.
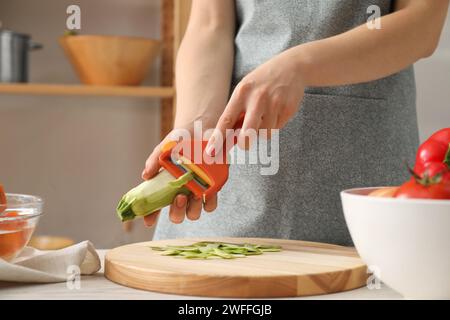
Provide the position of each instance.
(341, 91)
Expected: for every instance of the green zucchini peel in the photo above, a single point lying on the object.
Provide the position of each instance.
(216, 250)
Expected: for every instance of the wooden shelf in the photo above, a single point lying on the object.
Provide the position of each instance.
(86, 90)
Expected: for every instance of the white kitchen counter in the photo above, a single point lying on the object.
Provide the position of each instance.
(98, 287)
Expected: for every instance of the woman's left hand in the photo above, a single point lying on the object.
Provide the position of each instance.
(270, 96)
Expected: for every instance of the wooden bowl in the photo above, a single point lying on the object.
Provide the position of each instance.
(50, 243)
(110, 60)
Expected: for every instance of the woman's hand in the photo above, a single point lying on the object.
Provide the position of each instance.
(270, 96)
(202, 87)
(182, 206)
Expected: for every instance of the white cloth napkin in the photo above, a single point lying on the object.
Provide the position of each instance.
(37, 266)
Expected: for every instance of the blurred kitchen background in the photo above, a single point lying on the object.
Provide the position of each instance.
(81, 153)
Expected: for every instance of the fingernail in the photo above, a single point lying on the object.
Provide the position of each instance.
(180, 202)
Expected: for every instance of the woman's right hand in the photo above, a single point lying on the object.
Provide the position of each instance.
(182, 206)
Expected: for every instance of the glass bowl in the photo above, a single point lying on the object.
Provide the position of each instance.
(17, 223)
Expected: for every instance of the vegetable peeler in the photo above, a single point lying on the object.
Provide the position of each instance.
(209, 175)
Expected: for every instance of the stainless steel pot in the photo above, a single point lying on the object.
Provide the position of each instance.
(14, 49)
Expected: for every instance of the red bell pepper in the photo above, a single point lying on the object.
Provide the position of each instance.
(433, 156)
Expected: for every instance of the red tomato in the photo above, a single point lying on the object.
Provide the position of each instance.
(2, 199)
(434, 168)
(12, 225)
(416, 189)
(11, 214)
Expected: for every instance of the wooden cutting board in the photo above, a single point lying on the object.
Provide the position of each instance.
(301, 269)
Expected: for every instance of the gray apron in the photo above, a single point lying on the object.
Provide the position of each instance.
(342, 137)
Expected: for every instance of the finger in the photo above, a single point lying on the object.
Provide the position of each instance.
(268, 122)
(152, 164)
(248, 135)
(282, 120)
(178, 209)
(287, 112)
(211, 204)
(227, 120)
(257, 105)
(194, 209)
(150, 220)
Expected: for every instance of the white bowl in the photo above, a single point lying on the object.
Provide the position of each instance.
(407, 241)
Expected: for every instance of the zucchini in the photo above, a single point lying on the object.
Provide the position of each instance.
(152, 195)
